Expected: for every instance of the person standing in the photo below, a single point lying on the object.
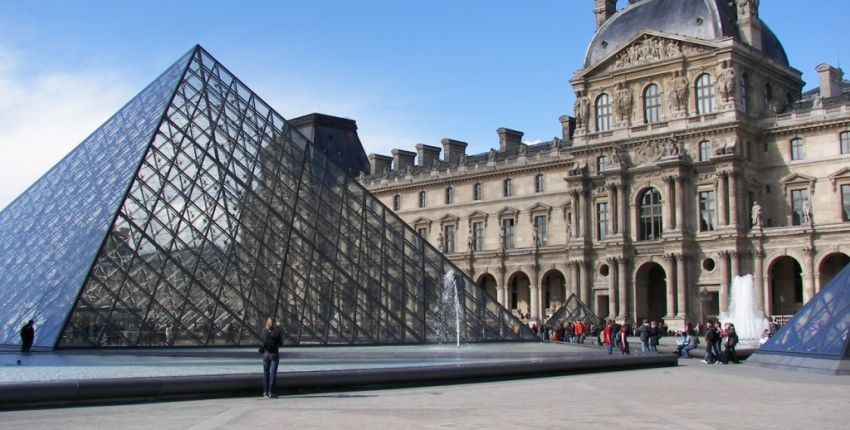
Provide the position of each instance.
(580, 331)
(729, 343)
(644, 332)
(608, 336)
(272, 341)
(623, 341)
(711, 337)
(27, 336)
(653, 336)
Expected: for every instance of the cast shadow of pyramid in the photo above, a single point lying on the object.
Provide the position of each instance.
(196, 212)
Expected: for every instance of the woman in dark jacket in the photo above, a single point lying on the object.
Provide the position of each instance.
(729, 343)
(272, 340)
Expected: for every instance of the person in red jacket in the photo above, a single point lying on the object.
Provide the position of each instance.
(607, 334)
(580, 331)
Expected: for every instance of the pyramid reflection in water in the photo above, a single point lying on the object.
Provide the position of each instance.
(196, 212)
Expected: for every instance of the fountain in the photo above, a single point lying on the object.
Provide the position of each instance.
(743, 310)
(449, 306)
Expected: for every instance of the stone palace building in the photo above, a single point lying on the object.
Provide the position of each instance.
(692, 157)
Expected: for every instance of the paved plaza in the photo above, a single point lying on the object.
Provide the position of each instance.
(691, 396)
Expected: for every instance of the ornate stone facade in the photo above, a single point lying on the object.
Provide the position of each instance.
(653, 216)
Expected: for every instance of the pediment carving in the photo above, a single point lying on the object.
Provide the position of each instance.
(649, 48)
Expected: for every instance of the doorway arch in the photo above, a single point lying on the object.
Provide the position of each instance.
(650, 292)
(487, 282)
(554, 291)
(786, 286)
(830, 266)
(519, 293)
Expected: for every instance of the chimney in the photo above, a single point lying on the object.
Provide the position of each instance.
(604, 9)
(427, 154)
(830, 80)
(377, 164)
(568, 127)
(453, 149)
(403, 159)
(749, 24)
(509, 140)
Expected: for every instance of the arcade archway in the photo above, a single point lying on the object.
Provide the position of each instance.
(650, 292)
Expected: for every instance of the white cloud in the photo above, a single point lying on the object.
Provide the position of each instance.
(45, 115)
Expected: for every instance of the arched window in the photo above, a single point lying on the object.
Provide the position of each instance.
(423, 199)
(396, 202)
(651, 222)
(508, 187)
(705, 94)
(450, 195)
(603, 113)
(601, 164)
(745, 92)
(539, 183)
(768, 97)
(704, 150)
(477, 191)
(797, 150)
(845, 142)
(651, 104)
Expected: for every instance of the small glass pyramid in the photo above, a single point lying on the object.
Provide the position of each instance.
(196, 212)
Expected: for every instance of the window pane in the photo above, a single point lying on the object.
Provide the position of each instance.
(706, 211)
(705, 94)
(602, 220)
(603, 113)
(845, 142)
(845, 202)
(652, 104)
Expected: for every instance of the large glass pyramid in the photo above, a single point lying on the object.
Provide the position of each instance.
(196, 212)
(816, 338)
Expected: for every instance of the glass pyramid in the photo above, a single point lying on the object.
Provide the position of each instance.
(572, 310)
(195, 213)
(820, 329)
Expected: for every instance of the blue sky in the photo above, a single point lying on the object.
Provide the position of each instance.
(408, 71)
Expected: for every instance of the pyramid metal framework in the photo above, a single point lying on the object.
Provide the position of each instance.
(573, 310)
(821, 329)
(196, 212)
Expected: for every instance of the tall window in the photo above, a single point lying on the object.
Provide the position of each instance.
(704, 150)
(508, 187)
(450, 195)
(508, 228)
(396, 202)
(477, 191)
(602, 220)
(707, 212)
(799, 201)
(423, 231)
(768, 97)
(542, 229)
(650, 215)
(745, 92)
(651, 104)
(423, 199)
(845, 142)
(845, 202)
(797, 150)
(705, 94)
(449, 237)
(539, 183)
(478, 236)
(601, 164)
(603, 113)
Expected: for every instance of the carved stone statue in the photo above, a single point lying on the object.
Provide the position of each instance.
(623, 101)
(435, 165)
(748, 8)
(461, 161)
(582, 109)
(806, 213)
(523, 149)
(679, 89)
(535, 237)
(672, 148)
(756, 215)
(470, 241)
(502, 239)
(491, 156)
(726, 82)
(440, 243)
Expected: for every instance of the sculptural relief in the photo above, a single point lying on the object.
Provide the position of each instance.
(651, 49)
(623, 101)
(582, 110)
(726, 81)
(756, 215)
(679, 91)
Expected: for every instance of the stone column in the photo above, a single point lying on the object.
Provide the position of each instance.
(582, 222)
(809, 275)
(733, 199)
(669, 222)
(736, 264)
(575, 224)
(721, 199)
(612, 287)
(576, 272)
(502, 290)
(584, 285)
(680, 204)
(758, 279)
(723, 296)
(612, 217)
(534, 292)
(681, 287)
(622, 294)
(671, 286)
(622, 206)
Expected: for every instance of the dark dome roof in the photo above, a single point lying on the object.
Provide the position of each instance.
(699, 19)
